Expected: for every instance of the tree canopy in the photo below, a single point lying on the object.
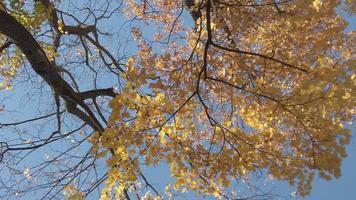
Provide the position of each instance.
(219, 91)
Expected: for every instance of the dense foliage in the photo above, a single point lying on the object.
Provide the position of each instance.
(218, 90)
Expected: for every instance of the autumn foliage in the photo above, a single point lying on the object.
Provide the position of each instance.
(246, 86)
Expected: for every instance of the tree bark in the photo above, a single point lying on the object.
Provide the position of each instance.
(18, 34)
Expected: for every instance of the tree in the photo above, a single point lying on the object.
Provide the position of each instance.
(219, 90)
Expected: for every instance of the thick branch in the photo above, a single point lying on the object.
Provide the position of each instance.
(78, 30)
(17, 33)
(75, 30)
(34, 53)
(95, 93)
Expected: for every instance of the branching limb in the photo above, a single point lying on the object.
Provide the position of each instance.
(6, 45)
(95, 93)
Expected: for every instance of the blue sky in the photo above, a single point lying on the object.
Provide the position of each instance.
(342, 188)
